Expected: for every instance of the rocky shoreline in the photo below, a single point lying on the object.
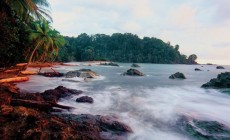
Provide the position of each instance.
(39, 116)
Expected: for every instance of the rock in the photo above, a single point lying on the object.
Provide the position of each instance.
(197, 69)
(22, 116)
(51, 74)
(209, 64)
(205, 130)
(177, 75)
(108, 127)
(220, 67)
(54, 95)
(135, 65)
(84, 99)
(70, 80)
(133, 72)
(83, 73)
(109, 64)
(222, 81)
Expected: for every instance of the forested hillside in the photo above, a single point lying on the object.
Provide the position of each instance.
(122, 48)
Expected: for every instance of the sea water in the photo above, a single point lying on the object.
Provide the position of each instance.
(151, 105)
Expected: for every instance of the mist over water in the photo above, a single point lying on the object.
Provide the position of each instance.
(150, 105)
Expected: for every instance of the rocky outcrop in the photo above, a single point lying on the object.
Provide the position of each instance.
(133, 72)
(205, 130)
(135, 65)
(22, 121)
(222, 81)
(51, 74)
(109, 64)
(84, 99)
(82, 73)
(197, 69)
(220, 67)
(177, 75)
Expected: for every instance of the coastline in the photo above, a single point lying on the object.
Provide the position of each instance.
(39, 116)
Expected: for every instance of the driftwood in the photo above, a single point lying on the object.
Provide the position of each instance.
(28, 72)
(51, 74)
(16, 79)
(12, 70)
(43, 105)
(21, 64)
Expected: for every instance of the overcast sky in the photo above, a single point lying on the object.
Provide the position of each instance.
(201, 27)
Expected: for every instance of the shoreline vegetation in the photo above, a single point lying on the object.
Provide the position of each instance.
(127, 48)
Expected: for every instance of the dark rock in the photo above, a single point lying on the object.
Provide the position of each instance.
(177, 75)
(83, 73)
(85, 99)
(109, 64)
(28, 122)
(135, 65)
(108, 127)
(222, 81)
(51, 74)
(133, 72)
(209, 64)
(70, 80)
(197, 69)
(205, 130)
(220, 67)
(54, 95)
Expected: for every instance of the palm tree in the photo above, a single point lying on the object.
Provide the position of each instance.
(41, 36)
(27, 10)
(47, 41)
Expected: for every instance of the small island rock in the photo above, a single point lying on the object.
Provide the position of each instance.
(135, 65)
(85, 99)
(222, 81)
(109, 64)
(219, 67)
(133, 72)
(197, 69)
(177, 75)
(82, 73)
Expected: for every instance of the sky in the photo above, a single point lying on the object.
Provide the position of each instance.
(200, 27)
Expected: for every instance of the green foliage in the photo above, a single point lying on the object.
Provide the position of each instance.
(46, 41)
(14, 43)
(121, 48)
(26, 10)
(192, 59)
(16, 17)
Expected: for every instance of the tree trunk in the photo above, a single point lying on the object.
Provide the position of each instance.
(32, 54)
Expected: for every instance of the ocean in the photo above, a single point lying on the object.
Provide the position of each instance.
(152, 105)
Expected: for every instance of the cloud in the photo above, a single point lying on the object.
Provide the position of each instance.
(198, 26)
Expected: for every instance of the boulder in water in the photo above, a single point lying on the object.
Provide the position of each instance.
(51, 74)
(197, 69)
(135, 65)
(82, 73)
(205, 130)
(133, 72)
(222, 81)
(109, 64)
(220, 67)
(177, 75)
(85, 99)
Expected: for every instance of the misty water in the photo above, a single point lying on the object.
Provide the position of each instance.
(151, 105)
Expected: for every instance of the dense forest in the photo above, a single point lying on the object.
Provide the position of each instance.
(122, 48)
(26, 34)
